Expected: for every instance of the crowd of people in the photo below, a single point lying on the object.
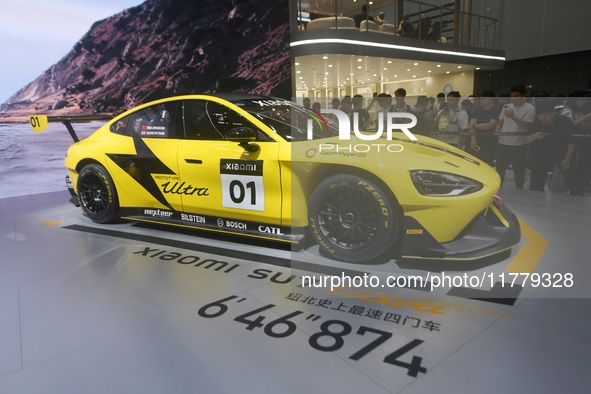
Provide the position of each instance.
(549, 137)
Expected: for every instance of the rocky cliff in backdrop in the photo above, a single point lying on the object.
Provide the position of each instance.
(167, 47)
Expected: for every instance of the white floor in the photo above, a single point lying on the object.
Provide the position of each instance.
(130, 309)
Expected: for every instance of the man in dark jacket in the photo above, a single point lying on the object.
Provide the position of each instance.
(552, 147)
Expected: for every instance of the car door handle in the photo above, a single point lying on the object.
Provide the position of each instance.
(193, 161)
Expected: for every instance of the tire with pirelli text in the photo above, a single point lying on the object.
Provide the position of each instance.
(352, 219)
(97, 194)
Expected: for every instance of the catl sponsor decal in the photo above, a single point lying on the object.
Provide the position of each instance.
(270, 230)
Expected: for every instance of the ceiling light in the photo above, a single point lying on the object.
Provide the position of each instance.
(325, 57)
(389, 61)
(297, 64)
(439, 65)
(429, 71)
(359, 60)
(447, 72)
(416, 64)
(459, 66)
(393, 46)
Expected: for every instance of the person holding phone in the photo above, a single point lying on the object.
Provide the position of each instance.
(405, 27)
(514, 121)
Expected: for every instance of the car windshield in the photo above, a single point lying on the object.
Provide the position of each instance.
(289, 120)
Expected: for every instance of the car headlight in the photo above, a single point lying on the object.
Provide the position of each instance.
(434, 183)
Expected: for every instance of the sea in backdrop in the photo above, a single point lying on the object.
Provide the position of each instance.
(32, 163)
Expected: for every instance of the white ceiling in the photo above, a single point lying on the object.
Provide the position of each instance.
(332, 71)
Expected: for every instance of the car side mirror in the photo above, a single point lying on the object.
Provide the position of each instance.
(244, 136)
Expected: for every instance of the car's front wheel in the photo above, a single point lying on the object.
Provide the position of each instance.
(352, 219)
(97, 194)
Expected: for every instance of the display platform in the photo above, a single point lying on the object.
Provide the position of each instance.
(133, 309)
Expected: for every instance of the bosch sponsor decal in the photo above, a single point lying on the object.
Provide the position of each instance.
(233, 224)
(157, 213)
(242, 184)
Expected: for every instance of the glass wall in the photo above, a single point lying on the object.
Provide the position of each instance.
(467, 23)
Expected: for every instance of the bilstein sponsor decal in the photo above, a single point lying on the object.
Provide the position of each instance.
(192, 218)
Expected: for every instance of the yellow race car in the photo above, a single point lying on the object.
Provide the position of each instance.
(268, 168)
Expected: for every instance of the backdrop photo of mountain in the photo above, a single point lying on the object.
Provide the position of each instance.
(163, 48)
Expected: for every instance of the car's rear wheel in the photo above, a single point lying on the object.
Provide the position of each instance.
(97, 194)
(352, 219)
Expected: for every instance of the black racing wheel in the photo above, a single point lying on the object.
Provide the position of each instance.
(352, 219)
(97, 194)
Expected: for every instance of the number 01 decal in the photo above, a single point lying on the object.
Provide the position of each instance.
(242, 184)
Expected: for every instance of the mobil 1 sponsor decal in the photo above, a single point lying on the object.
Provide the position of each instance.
(242, 184)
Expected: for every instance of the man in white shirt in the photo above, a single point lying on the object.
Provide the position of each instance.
(451, 121)
(514, 121)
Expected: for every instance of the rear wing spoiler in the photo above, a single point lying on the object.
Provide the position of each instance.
(40, 122)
